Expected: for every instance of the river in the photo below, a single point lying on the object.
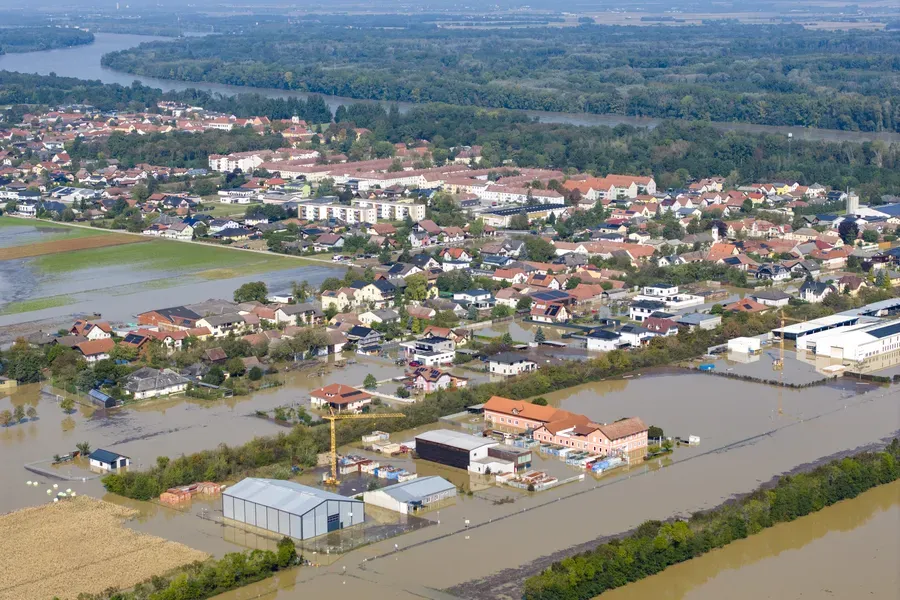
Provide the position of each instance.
(83, 62)
(849, 550)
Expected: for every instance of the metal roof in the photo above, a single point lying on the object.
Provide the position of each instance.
(285, 496)
(455, 439)
(105, 456)
(418, 489)
(816, 324)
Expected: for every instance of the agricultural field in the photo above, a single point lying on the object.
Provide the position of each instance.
(80, 545)
(163, 255)
(68, 245)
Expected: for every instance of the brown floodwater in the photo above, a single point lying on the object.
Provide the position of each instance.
(744, 443)
(849, 550)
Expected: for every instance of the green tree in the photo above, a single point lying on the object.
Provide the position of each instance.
(370, 383)
(539, 335)
(6, 418)
(67, 405)
(870, 236)
(235, 367)
(476, 228)
(32, 413)
(253, 291)
(848, 230)
(500, 311)
(255, 373)
(19, 413)
(215, 375)
(416, 287)
(84, 448)
(538, 249)
(540, 401)
(524, 304)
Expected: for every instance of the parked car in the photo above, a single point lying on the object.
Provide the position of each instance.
(415, 363)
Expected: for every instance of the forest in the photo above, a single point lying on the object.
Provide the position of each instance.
(656, 545)
(771, 75)
(31, 39)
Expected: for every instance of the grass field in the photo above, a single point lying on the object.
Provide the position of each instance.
(167, 256)
(24, 306)
(80, 545)
(51, 230)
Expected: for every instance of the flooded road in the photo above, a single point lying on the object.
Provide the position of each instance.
(83, 62)
(848, 550)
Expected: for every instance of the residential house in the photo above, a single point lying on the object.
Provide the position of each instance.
(304, 313)
(851, 284)
(772, 297)
(509, 364)
(430, 379)
(430, 351)
(222, 325)
(602, 340)
(340, 398)
(384, 315)
(148, 382)
(365, 338)
(176, 317)
(815, 291)
(747, 305)
(95, 350)
(549, 313)
(772, 272)
(480, 299)
(519, 415)
(640, 310)
(92, 330)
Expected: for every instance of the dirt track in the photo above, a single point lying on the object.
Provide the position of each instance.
(82, 243)
(79, 545)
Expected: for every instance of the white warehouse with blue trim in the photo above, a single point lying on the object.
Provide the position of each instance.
(287, 508)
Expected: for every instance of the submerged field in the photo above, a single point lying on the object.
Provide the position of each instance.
(164, 255)
(79, 545)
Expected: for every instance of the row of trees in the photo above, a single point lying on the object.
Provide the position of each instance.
(656, 545)
(201, 580)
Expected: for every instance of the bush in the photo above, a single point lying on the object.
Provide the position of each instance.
(255, 374)
(402, 392)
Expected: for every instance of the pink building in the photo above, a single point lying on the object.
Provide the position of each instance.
(627, 435)
(519, 415)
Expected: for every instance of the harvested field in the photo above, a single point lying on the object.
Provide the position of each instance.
(67, 245)
(79, 545)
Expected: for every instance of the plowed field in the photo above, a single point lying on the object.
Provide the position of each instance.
(68, 245)
(79, 545)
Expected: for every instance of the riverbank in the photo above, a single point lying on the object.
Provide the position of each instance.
(847, 550)
(654, 546)
(83, 62)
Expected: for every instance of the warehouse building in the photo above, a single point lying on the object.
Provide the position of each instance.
(413, 495)
(452, 448)
(290, 509)
(877, 341)
(798, 330)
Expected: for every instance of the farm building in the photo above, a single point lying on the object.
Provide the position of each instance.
(108, 461)
(452, 448)
(289, 508)
(412, 495)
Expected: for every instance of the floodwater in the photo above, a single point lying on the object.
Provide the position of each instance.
(849, 550)
(511, 534)
(119, 293)
(83, 62)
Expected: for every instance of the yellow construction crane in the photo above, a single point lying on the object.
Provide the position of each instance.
(340, 416)
(778, 363)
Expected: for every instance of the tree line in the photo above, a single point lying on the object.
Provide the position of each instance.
(32, 39)
(201, 580)
(770, 75)
(656, 545)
